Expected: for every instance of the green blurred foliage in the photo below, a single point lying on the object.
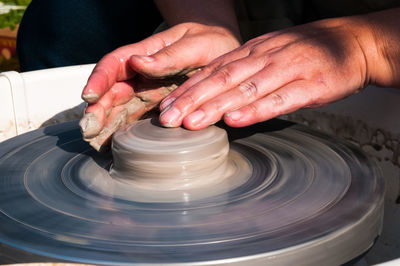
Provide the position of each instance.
(17, 2)
(12, 18)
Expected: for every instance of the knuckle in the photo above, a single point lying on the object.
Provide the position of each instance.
(249, 89)
(162, 41)
(215, 107)
(254, 110)
(185, 102)
(267, 60)
(208, 70)
(246, 48)
(252, 44)
(257, 112)
(278, 99)
(169, 52)
(223, 76)
(256, 50)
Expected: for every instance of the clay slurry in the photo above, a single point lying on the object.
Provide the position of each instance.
(176, 163)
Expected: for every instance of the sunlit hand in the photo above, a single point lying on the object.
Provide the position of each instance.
(126, 103)
(113, 84)
(277, 73)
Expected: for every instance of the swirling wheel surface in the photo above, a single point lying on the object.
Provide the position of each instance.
(310, 199)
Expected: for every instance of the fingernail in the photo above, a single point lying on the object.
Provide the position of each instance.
(235, 115)
(90, 125)
(146, 59)
(90, 97)
(169, 116)
(196, 116)
(166, 102)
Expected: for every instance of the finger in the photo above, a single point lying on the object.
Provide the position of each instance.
(184, 87)
(110, 69)
(225, 78)
(95, 114)
(270, 42)
(193, 50)
(115, 120)
(118, 116)
(115, 67)
(204, 73)
(152, 91)
(147, 95)
(177, 58)
(257, 86)
(286, 99)
(93, 121)
(119, 94)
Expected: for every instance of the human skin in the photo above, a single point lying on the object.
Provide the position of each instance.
(194, 42)
(279, 72)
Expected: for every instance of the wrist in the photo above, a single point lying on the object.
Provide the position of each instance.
(213, 13)
(197, 28)
(379, 38)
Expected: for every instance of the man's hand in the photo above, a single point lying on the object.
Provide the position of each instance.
(277, 73)
(112, 90)
(124, 107)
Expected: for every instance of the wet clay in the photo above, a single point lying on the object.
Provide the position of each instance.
(171, 157)
(176, 163)
(147, 95)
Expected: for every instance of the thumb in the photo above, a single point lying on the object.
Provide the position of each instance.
(178, 58)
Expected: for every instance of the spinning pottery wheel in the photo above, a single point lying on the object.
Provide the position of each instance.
(276, 193)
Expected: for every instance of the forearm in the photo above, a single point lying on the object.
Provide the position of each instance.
(218, 13)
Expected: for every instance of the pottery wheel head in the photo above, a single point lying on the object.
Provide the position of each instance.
(176, 158)
(280, 194)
